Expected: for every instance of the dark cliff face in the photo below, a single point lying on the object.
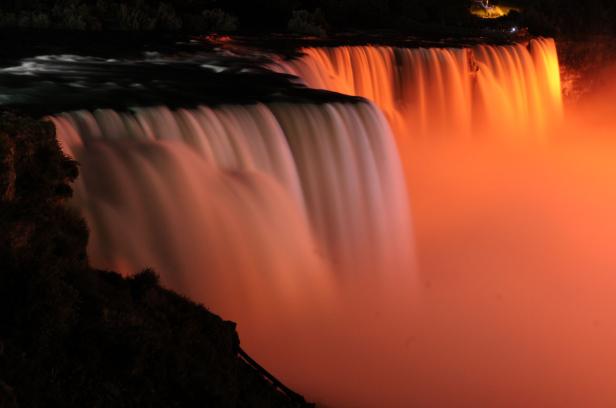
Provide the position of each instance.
(72, 336)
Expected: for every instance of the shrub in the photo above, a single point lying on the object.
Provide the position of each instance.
(166, 18)
(305, 22)
(40, 21)
(8, 20)
(133, 19)
(72, 17)
(217, 20)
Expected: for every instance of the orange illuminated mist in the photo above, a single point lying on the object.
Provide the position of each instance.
(294, 220)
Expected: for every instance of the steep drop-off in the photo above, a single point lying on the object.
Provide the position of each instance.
(72, 336)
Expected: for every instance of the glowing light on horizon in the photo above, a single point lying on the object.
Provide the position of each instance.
(483, 9)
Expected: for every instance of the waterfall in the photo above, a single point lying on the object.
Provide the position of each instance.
(221, 199)
(507, 91)
(237, 206)
(265, 212)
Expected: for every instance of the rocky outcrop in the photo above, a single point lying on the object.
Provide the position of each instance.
(72, 336)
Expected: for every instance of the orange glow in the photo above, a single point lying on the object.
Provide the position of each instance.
(509, 94)
(512, 206)
(515, 245)
(445, 92)
(215, 39)
(290, 218)
(491, 12)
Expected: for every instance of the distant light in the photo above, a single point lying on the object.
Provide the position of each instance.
(514, 29)
(485, 10)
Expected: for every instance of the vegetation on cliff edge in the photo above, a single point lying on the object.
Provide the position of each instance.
(312, 17)
(72, 336)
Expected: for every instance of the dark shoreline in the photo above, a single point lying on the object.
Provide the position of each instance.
(75, 336)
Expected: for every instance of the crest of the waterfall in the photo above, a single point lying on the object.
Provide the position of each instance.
(518, 88)
(258, 204)
(508, 91)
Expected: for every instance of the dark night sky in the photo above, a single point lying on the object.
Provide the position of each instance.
(301, 16)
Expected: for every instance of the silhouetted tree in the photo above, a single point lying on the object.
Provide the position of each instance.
(71, 336)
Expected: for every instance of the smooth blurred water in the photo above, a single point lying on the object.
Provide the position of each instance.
(293, 217)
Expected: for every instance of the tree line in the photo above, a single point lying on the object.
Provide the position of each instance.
(299, 16)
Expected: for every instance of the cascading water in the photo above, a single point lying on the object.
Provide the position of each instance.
(267, 212)
(444, 92)
(245, 208)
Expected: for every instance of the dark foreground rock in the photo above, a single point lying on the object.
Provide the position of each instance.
(72, 336)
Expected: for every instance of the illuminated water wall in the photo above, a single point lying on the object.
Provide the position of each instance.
(239, 206)
(265, 212)
(509, 91)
